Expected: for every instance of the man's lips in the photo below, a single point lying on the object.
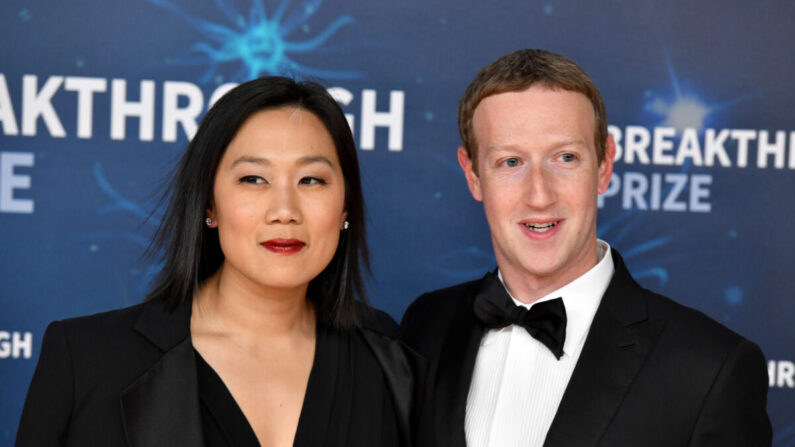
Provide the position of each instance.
(541, 229)
(542, 226)
(284, 246)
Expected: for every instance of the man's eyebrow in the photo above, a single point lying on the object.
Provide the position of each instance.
(570, 142)
(251, 159)
(555, 144)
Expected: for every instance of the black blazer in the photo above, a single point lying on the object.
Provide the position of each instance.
(651, 373)
(128, 377)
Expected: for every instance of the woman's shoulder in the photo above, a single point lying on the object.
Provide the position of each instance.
(129, 328)
(110, 349)
(380, 333)
(376, 320)
(101, 324)
(403, 369)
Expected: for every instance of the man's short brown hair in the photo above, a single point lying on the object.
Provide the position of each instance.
(517, 72)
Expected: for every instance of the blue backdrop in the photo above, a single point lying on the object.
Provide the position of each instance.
(97, 100)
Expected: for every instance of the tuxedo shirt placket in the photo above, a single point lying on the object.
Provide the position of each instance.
(517, 383)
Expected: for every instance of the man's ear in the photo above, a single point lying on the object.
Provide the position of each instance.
(473, 181)
(606, 167)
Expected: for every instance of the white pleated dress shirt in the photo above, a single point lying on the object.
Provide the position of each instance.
(518, 383)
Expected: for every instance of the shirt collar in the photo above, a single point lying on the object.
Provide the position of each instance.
(581, 297)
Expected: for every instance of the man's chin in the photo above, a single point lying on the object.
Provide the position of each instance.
(543, 272)
(539, 266)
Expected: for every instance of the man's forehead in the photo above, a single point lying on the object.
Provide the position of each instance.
(544, 109)
(534, 94)
(534, 118)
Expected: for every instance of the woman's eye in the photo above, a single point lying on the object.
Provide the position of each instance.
(253, 179)
(511, 162)
(312, 181)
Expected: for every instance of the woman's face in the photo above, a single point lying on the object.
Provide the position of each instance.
(279, 200)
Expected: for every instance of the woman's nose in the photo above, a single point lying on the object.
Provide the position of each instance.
(284, 206)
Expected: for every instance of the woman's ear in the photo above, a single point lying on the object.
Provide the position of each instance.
(210, 219)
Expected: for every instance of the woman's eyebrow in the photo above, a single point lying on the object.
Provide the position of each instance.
(309, 159)
(250, 159)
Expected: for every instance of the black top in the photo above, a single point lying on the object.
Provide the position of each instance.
(223, 423)
(129, 378)
(346, 384)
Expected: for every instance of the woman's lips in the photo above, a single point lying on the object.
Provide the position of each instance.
(284, 246)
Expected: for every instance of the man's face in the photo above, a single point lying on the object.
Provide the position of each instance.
(537, 175)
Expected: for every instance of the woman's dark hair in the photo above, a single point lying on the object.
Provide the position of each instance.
(192, 253)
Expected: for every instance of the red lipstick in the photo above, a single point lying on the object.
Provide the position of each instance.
(284, 246)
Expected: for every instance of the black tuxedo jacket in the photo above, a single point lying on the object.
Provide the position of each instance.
(128, 377)
(651, 373)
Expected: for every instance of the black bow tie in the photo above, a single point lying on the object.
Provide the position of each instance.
(544, 321)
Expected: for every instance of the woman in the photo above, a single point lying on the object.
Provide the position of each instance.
(252, 334)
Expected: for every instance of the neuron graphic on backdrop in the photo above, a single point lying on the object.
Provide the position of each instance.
(259, 43)
(680, 108)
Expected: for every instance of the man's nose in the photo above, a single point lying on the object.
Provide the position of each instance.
(539, 188)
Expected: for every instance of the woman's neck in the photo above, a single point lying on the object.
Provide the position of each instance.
(229, 305)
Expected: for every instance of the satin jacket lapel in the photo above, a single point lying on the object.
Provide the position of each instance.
(162, 407)
(620, 338)
(404, 372)
(456, 366)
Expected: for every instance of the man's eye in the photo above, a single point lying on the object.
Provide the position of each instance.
(511, 162)
(312, 181)
(568, 158)
(254, 179)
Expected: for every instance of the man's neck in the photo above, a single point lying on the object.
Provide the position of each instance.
(529, 288)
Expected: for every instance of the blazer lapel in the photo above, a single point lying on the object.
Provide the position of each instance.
(456, 366)
(404, 372)
(162, 407)
(620, 338)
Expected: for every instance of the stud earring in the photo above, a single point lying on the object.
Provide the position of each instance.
(208, 221)
(345, 225)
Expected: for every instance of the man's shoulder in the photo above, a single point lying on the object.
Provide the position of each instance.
(698, 356)
(687, 323)
(682, 323)
(429, 318)
(443, 300)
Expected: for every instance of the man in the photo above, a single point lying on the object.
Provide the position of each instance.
(596, 360)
